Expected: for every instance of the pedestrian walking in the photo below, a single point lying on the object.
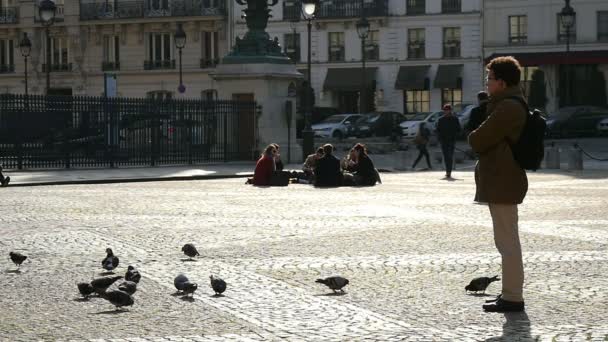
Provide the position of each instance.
(478, 114)
(448, 128)
(501, 182)
(421, 140)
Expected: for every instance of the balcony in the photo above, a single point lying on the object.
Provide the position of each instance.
(334, 9)
(59, 16)
(415, 50)
(415, 7)
(9, 15)
(292, 10)
(60, 67)
(451, 6)
(90, 10)
(7, 68)
(110, 66)
(159, 64)
(451, 49)
(209, 63)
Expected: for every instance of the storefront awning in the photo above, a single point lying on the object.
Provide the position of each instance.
(348, 79)
(448, 76)
(412, 77)
(560, 57)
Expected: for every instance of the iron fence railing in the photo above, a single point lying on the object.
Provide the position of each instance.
(329, 9)
(64, 131)
(451, 6)
(9, 15)
(118, 9)
(159, 64)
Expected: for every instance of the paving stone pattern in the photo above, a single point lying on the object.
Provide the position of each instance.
(408, 247)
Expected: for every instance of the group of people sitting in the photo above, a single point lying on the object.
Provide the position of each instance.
(322, 168)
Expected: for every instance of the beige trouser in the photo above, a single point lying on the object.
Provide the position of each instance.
(506, 237)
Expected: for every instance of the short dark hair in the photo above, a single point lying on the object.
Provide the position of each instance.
(328, 149)
(482, 95)
(506, 69)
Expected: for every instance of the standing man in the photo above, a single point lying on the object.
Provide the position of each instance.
(4, 180)
(500, 181)
(448, 128)
(478, 114)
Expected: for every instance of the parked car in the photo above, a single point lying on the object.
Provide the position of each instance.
(465, 115)
(409, 128)
(575, 121)
(318, 114)
(602, 127)
(335, 126)
(380, 124)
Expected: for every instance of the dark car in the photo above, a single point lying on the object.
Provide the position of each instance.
(577, 121)
(380, 124)
(318, 114)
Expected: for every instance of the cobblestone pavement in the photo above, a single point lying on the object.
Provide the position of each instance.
(408, 246)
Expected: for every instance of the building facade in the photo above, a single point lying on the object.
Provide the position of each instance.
(531, 31)
(420, 54)
(132, 40)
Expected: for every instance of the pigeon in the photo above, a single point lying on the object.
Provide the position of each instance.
(132, 274)
(128, 287)
(190, 250)
(480, 284)
(183, 284)
(85, 289)
(17, 258)
(118, 298)
(335, 283)
(110, 262)
(218, 285)
(100, 285)
(189, 288)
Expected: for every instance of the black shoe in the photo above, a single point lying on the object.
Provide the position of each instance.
(502, 305)
(493, 300)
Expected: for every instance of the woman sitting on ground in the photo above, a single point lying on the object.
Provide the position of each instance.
(265, 167)
(363, 169)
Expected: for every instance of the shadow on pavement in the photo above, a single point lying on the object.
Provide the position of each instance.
(515, 328)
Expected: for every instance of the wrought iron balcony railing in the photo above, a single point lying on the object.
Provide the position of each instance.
(451, 6)
(58, 67)
(9, 15)
(329, 9)
(159, 64)
(415, 7)
(292, 10)
(59, 14)
(118, 9)
(7, 68)
(110, 66)
(209, 63)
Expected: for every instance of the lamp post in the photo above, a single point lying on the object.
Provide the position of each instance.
(47, 11)
(567, 17)
(309, 7)
(363, 32)
(25, 45)
(180, 42)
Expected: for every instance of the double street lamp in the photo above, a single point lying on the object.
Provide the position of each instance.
(309, 8)
(25, 45)
(363, 32)
(180, 42)
(47, 11)
(567, 19)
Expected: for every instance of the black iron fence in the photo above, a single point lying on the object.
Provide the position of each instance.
(333, 9)
(126, 9)
(72, 131)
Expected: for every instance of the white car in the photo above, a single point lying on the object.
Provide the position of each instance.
(465, 115)
(602, 127)
(409, 128)
(336, 126)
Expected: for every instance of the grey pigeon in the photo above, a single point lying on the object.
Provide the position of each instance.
(190, 250)
(128, 287)
(118, 298)
(335, 283)
(218, 285)
(100, 285)
(17, 258)
(132, 274)
(85, 289)
(110, 262)
(189, 288)
(480, 284)
(179, 281)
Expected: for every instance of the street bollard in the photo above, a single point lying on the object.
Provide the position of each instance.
(552, 158)
(575, 159)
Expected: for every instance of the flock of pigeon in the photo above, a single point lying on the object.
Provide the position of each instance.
(124, 295)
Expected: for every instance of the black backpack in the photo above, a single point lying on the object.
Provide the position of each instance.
(529, 150)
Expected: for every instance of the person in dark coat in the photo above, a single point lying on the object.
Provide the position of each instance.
(363, 169)
(421, 140)
(478, 114)
(327, 172)
(448, 128)
(4, 180)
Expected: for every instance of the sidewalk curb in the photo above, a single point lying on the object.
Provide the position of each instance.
(129, 180)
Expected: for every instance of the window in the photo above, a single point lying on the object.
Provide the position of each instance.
(160, 52)
(158, 5)
(415, 43)
(111, 56)
(526, 79)
(602, 26)
(292, 46)
(372, 51)
(159, 95)
(7, 55)
(451, 42)
(414, 7)
(59, 54)
(451, 96)
(416, 101)
(450, 6)
(209, 53)
(562, 33)
(518, 29)
(336, 46)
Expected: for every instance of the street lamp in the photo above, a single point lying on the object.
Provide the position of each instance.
(567, 17)
(363, 32)
(47, 11)
(309, 8)
(180, 42)
(25, 45)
